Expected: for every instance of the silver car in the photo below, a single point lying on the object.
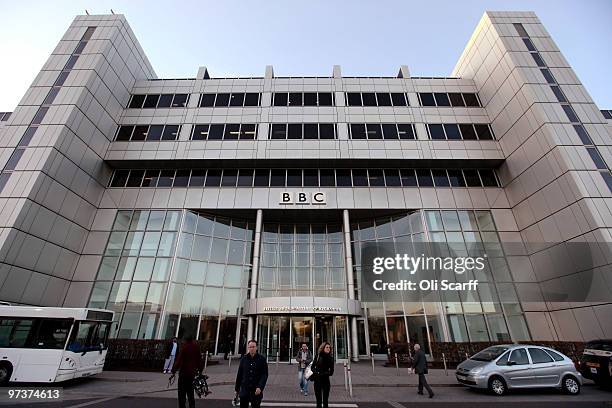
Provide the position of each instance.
(504, 367)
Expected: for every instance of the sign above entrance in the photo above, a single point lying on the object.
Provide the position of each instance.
(301, 309)
(302, 198)
(302, 305)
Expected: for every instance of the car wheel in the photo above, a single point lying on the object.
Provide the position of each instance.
(497, 385)
(570, 385)
(6, 370)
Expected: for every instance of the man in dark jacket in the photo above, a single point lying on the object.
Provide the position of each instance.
(420, 367)
(188, 364)
(252, 377)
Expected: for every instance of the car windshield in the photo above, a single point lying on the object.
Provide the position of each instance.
(599, 345)
(489, 354)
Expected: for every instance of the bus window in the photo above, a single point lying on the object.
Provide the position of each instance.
(102, 335)
(15, 332)
(81, 337)
(52, 333)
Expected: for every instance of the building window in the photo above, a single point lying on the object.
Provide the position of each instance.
(377, 131)
(147, 133)
(520, 30)
(377, 99)
(297, 131)
(464, 131)
(571, 115)
(597, 159)
(305, 178)
(453, 99)
(303, 99)
(158, 101)
(558, 94)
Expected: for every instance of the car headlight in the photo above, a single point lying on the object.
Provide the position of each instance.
(476, 370)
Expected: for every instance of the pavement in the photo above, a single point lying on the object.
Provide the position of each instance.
(386, 387)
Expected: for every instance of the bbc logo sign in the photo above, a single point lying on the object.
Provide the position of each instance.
(303, 198)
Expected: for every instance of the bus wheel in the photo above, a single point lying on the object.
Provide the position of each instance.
(6, 369)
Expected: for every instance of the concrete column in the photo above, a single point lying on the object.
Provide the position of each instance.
(348, 261)
(255, 271)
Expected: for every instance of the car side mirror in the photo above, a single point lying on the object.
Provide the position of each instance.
(511, 363)
(84, 352)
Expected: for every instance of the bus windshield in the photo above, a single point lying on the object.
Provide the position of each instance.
(88, 336)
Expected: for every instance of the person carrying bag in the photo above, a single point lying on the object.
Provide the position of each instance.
(320, 370)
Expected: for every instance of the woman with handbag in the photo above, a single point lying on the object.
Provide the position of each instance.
(323, 368)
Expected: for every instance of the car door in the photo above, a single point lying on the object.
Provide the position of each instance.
(544, 368)
(518, 371)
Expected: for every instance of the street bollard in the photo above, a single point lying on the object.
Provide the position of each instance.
(229, 360)
(372, 358)
(397, 364)
(277, 358)
(466, 356)
(350, 380)
(345, 377)
(444, 361)
(206, 360)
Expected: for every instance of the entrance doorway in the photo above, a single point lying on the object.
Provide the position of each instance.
(280, 337)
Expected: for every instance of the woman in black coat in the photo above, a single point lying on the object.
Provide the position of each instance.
(323, 369)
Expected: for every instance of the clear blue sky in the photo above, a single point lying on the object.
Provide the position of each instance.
(302, 37)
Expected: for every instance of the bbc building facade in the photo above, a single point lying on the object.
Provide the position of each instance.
(235, 208)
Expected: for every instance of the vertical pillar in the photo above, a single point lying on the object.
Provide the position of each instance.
(348, 261)
(255, 271)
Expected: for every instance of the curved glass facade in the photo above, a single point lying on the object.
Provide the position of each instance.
(492, 314)
(302, 260)
(168, 273)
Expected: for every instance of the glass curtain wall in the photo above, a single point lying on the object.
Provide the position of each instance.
(210, 279)
(302, 260)
(492, 314)
(134, 271)
(197, 265)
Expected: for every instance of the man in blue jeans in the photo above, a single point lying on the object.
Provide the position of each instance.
(303, 358)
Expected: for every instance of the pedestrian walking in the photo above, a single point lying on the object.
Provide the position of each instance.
(251, 377)
(420, 367)
(188, 364)
(171, 352)
(303, 358)
(323, 368)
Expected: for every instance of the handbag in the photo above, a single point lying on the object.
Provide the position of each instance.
(308, 371)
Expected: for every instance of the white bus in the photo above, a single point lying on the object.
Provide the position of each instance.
(52, 344)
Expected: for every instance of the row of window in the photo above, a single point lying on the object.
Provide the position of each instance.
(303, 131)
(303, 99)
(373, 131)
(4, 116)
(606, 114)
(40, 114)
(223, 100)
(454, 99)
(147, 132)
(158, 101)
(305, 178)
(377, 99)
(240, 99)
(228, 131)
(598, 160)
(460, 131)
(283, 131)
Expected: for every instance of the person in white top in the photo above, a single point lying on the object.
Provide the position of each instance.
(171, 352)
